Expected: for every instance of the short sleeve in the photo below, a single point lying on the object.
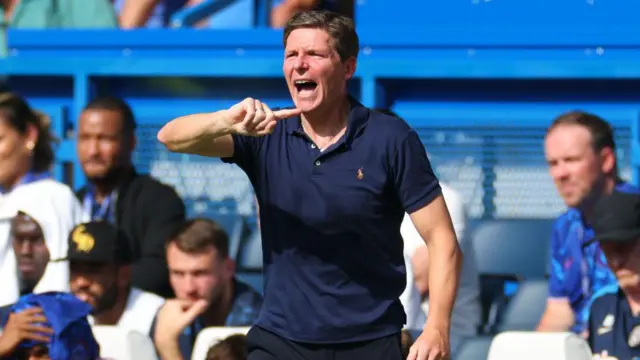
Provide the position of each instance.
(246, 151)
(557, 276)
(415, 183)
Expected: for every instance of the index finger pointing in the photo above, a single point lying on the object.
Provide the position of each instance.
(286, 113)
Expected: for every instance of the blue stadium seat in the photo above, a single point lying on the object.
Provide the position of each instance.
(517, 248)
(476, 348)
(250, 254)
(508, 251)
(525, 309)
(252, 278)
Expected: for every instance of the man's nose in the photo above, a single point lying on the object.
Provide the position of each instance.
(190, 285)
(560, 172)
(80, 280)
(301, 63)
(25, 248)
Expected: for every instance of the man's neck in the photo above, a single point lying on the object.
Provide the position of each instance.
(327, 122)
(217, 313)
(112, 316)
(607, 187)
(104, 187)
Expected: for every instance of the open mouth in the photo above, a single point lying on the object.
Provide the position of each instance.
(305, 86)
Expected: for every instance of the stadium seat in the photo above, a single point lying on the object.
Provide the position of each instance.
(536, 346)
(476, 348)
(234, 225)
(119, 344)
(254, 279)
(250, 254)
(212, 335)
(508, 252)
(513, 247)
(524, 310)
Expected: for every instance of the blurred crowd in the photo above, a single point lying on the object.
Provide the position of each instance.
(130, 14)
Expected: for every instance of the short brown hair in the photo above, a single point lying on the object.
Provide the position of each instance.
(233, 347)
(340, 28)
(198, 235)
(600, 130)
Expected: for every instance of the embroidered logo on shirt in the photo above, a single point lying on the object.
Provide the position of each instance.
(634, 337)
(360, 175)
(607, 324)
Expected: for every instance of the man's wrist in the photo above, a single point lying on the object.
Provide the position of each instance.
(221, 124)
(434, 322)
(169, 349)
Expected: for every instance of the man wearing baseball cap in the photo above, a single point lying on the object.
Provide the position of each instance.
(100, 259)
(614, 322)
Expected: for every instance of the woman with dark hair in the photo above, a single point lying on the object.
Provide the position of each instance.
(26, 158)
(26, 145)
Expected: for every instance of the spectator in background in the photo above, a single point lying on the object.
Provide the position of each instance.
(285, 9)
(147, 210)
(47, 326)
(233, 347)
(581, 153)
(53, 14)
(208, 294)
(148, 13)
(26, 158)
(465, 318)
(614, 325)
(100, 261)
(38, 232)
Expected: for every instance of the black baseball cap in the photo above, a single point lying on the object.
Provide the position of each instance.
(99, 242)
(616, 217)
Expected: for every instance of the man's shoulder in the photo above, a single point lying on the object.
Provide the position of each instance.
(604, 296)
(562, 224)
(627, 187)
(389, 125)
(142, 298)
(150, 186)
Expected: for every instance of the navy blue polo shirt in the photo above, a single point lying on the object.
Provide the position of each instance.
(330, 224)
(611, 325)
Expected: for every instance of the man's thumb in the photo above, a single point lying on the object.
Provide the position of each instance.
(197, 308)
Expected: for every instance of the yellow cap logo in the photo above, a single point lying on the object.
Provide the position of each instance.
(84, 242)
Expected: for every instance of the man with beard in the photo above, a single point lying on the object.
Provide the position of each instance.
(147, 210)
(207, 292)
(99, 260)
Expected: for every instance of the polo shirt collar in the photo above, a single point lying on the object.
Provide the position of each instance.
(358, 118)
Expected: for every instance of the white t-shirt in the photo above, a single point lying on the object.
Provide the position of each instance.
(466, 311)
(139, 312)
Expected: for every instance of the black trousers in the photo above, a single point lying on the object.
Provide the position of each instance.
(265, 345)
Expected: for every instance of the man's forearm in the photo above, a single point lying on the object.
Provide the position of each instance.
(190, 133)
(445, 262)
